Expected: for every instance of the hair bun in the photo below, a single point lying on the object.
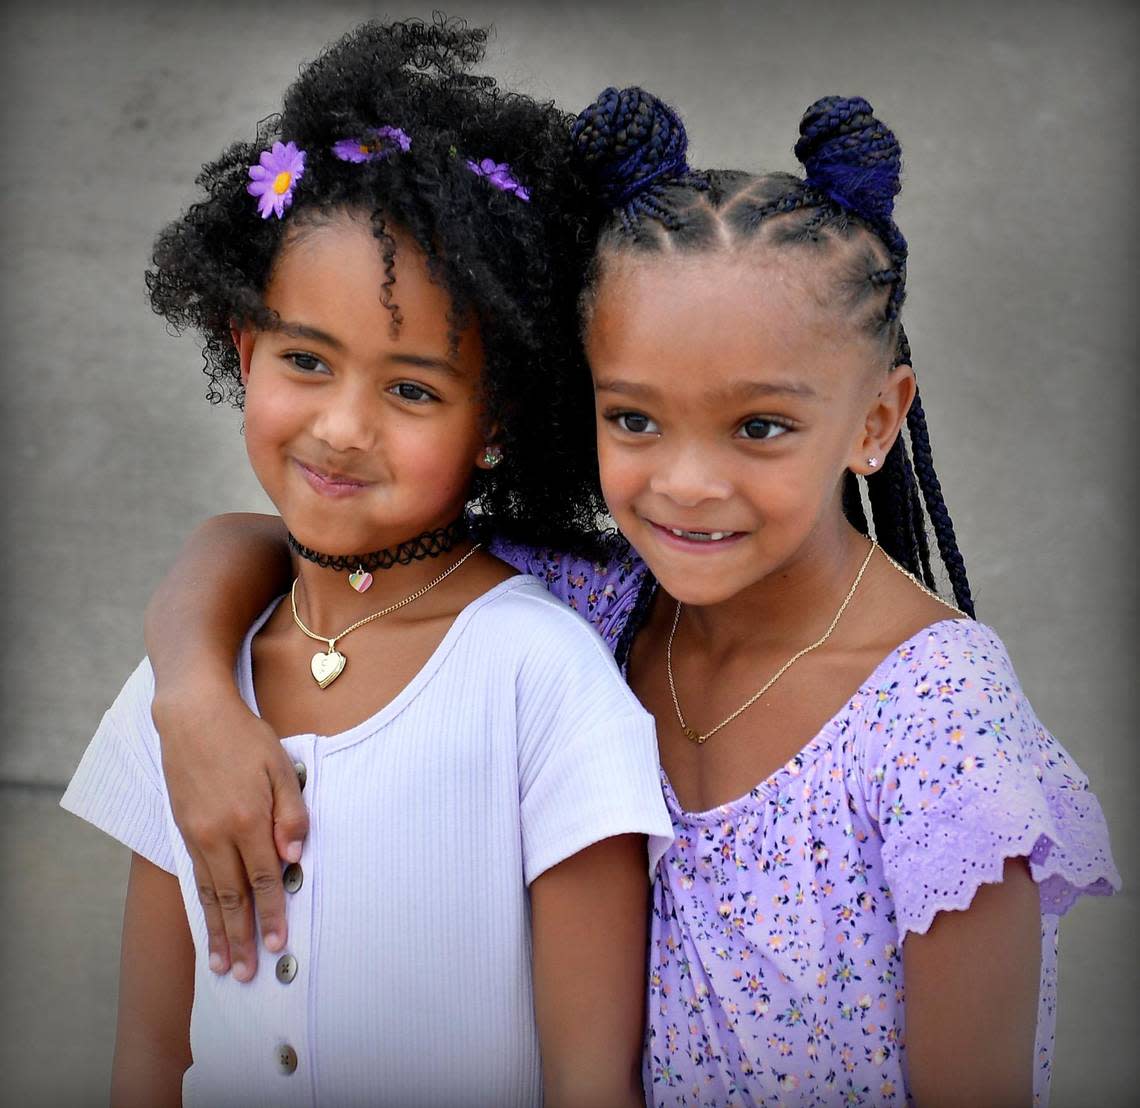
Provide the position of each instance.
(628, 139)
(852, 156)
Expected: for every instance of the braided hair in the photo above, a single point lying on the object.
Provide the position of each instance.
(512, 264)
(842, 210)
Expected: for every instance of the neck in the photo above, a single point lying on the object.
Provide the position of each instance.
(327, 604)
(790, 606)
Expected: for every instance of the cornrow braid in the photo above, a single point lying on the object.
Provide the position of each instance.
(855, 160)
(842, 209)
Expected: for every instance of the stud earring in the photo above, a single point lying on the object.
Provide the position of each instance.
(492, 455)
(873, 463)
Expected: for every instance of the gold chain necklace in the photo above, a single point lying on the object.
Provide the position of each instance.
(327, 666)
(696, 736)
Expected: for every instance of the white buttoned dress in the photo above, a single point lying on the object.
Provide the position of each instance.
(407, 976)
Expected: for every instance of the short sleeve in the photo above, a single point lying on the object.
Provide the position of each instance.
(588, 765)
(603, 590)
(118, 786)
(960, 775)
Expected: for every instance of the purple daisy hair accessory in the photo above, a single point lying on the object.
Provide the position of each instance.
(275, 177)
(376, 144)
(499, 175)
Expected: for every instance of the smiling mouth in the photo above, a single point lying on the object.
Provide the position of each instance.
(331, 482)
(702, 536)
(708, 537)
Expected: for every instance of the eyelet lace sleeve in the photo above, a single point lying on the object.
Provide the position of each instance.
(960, 775)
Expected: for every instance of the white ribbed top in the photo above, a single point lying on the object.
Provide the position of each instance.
(517, 745)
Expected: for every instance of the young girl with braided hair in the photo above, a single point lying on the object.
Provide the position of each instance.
(375, 281)
(874, 835)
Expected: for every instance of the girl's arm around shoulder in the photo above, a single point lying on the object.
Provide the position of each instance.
(590, 924)
(232, 788)
(156, 991)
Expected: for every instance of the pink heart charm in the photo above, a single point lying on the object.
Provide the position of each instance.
(360, 580)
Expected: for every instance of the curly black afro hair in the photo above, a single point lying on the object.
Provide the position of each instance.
(515, 266)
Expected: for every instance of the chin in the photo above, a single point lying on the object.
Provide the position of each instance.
(336, 541)
(700, 591)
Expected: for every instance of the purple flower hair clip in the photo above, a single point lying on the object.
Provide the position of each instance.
(499, 174)
(275, 177)
(376, 144)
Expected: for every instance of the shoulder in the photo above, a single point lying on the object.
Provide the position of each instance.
(953, 662)
(959, 774)
(520, 617)
(600, 585)
(943, 707)
(945, 715)
(554, 655)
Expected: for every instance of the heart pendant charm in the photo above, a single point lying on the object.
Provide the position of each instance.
(327, 666)
(360, 579)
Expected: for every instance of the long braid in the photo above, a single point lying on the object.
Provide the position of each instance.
(853, 504)
(888, 493)
(903, 357)
(936, 507)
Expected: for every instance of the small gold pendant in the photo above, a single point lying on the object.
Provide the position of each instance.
(694, 736)
(327, 666)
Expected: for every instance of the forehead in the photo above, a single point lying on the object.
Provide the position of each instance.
(748, 308)
(332, 274)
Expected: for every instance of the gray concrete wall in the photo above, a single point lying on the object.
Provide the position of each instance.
(1017, 121)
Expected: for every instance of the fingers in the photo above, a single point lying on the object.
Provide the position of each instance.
(227, 895)
(218, 945)
(290, 816)
(263, 873)
(240, 881)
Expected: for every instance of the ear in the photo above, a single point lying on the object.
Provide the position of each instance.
(884, 419)
(489, 449)
(243, 341)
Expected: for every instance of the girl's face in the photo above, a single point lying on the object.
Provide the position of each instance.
(730, 401)
(362, 438)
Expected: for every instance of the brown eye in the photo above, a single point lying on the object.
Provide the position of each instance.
(306, 363)
(761, 430)
(634, 422)
(405, 390)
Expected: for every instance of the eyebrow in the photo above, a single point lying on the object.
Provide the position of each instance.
(415, 361)
(743, 390)
(422, 361)
(304, 331)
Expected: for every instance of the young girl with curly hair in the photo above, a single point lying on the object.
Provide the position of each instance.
(874, 835)
(379, 280)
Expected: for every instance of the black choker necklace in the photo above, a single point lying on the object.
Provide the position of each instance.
(431, 544)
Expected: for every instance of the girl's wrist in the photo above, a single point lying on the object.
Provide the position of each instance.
(185, 694)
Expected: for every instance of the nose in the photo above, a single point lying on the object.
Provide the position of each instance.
(345, 420)
(688, 476)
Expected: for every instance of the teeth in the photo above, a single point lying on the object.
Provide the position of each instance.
(701, 536)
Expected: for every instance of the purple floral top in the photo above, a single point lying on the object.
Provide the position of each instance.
(779, 918)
